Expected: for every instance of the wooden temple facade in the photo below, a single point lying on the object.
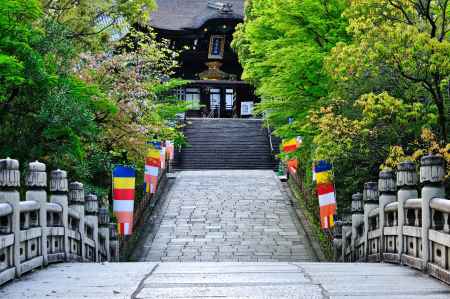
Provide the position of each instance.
(203, 30)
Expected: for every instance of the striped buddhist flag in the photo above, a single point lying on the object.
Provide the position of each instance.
(292, 145)
(124, 179)
(170, 149)
(151, 178)
(152, 166)
(293, 166)
(326, 193)
(162, 154)
(153, 157)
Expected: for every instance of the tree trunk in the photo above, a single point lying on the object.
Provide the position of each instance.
(442, 117)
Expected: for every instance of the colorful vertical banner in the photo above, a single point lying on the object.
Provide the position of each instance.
(162, 154)
(170, 150)
(293, 166)
(291, 145)
(152, 166)
(124, 179)
(326, 193)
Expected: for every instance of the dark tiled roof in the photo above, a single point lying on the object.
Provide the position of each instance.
(183, 14)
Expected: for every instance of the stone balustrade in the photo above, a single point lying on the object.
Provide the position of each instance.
(391, 223)
(62, 225)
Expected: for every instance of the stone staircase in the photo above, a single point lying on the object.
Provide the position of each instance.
(225, 144)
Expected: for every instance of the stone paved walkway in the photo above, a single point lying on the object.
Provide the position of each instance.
(225, 280)
(219, 216)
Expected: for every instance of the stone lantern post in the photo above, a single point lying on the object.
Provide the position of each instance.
(76, 202)
(387, 188)
(91, 212)
(432, 173)
(9, 182)
(370, 198)
(357, 219)
(407, 180)
(103, 227)
(37, 183)
(58, 189)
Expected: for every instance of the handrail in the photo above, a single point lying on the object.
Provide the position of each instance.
(440, 204)
(56, 208)
(5, 209)
(413, 203)
(391, 207)
(269, 134)
(29, 206)
(409, 230)
(373, 213)
(42, 222)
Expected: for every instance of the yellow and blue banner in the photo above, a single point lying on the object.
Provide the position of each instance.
(326, 193)
(291, 145)
(124, 180)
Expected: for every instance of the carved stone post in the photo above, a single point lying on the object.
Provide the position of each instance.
(91, 212)
(432, 177)
(337, 241)
(58, 189)
(407, 183)
(9, 182)
(387, 188)
(370, 197)
(103, 228)
(114, 242)
(76, 203)
(37, 183)
(346, 228)
(357, 219)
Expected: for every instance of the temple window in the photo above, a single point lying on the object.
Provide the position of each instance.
(193, 98)
(214, 97)
(229, 99)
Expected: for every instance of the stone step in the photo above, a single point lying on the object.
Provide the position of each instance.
(225, 144)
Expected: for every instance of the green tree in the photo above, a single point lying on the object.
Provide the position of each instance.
(46, 112)
(400, 46)
(95, 23)
(72, 106)
(282, 45)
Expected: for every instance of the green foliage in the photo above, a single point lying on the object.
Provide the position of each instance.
(361, 79)
(76, 110)
(95, 23)
(401, 47)
(282, 46)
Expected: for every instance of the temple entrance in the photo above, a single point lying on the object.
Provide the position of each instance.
(222, 102)
(218, 99)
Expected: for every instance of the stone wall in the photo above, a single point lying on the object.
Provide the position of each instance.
(397, 220)
(40, 225)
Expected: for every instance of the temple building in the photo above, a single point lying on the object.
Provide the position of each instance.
(203, 30)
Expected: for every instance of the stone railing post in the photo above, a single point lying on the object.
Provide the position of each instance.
(76, 203)
(407, 183)
(58, 189)
(113, 242)
(432, 175)
(37, 184)
(387, 188)
(357, 218)
(337, 241)
(346, 227)
(9, 182)
(370, 197)
(103, 228)
(91, 215)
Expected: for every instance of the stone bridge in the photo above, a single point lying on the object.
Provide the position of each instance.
(220, 234)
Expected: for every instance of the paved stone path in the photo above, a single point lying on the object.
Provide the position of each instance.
(228, 216)
(226, 280)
